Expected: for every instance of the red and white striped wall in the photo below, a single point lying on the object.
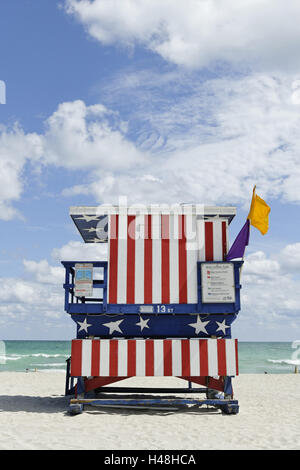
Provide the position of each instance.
(153, 258)
(154, 358)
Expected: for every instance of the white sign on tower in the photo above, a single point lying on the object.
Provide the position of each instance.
(83, 280)
(217, 281)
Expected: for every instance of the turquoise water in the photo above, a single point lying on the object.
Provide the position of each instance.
(273, 358)
(41, 355)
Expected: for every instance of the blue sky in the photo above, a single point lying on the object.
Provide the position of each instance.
(162, 103)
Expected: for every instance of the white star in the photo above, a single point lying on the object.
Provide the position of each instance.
(98, 240)
(92, 229)
(222, 326)
(143, 323)
(114, 326)
(88, 218)
(200, 326)
(83, 325)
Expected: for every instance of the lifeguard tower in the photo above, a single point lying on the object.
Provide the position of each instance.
(161, 305)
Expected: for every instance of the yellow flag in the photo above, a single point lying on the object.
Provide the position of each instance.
(259, 213)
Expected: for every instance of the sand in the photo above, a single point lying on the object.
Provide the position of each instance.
(33, 416)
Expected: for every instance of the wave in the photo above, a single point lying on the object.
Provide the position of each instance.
(46, 355)
(20, 356)
(285, 361)
(58, 364)
(8, 358)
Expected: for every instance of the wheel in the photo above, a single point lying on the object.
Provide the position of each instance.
(75, 409)
(229, 409)
(214, 394)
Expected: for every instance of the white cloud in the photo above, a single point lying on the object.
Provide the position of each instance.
(30, 309)
(16, 148)
(270, 299)
(44, 273)
(198, 33)
(37, 300)
(78, 251)
(216, 140)
(259, 268)
(29, 294)
(77, 137)
(211, 145)
(81, 137)
(290, 258)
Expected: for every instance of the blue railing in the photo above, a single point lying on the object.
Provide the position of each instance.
(72, 303)
(99, 304)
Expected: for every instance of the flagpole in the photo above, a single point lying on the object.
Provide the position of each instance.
(253, 192)
(244, 254)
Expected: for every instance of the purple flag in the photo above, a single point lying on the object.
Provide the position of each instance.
(238, 247)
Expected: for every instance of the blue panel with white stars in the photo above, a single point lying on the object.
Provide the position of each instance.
(154, 326)
(92, 228)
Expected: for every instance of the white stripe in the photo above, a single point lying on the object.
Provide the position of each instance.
(122, 259)
(174, 260)
(104, 358)
(217, 240)
(156, 258)
(194, 357)
(122, 357)
(86, 358)
(200, 356)
(159, 357)
(230, 357)
(176, 358)
(201, 239)
(139, 259)
(108, 256)
(212, 353)
(140, 358)
(191, 259)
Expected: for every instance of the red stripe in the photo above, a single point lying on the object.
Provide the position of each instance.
(113, 258)
(182, 261)
(76, 357)
(95, 358)
(209, 242)
(149, 357)
(221, 346)
(131, 357)
(113, 358)
(165, 260)
(130, 259)
(148, 261)
(168, 357)
(185, 357)
(224, 240)
(236, 357)
(203, 358)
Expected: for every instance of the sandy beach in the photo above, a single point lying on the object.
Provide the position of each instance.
(33, 416)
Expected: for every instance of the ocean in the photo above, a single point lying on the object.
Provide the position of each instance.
(46, 356)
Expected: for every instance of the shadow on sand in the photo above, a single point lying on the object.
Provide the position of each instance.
(59, 404)
(55, 404)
